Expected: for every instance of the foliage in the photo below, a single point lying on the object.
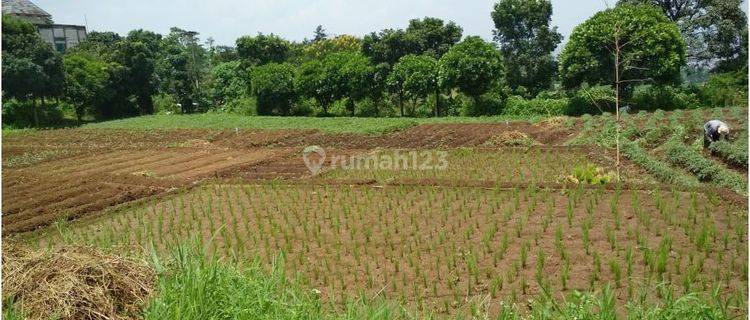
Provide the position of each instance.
(519, 106)
(21, 114)
(725, 90)
(137, 54)
(185, 64)
(273, 85)
(653, 48)
(526, 42)
(591, 100)
(262, 49)
(715, 31)
(86, 78)
(31, 69)
(414, 77)
(732, 153)
(651, 97)
(432, 36)
(228, 82)
(335, 76)
(472, 66)
(490, 103)
(342, 43)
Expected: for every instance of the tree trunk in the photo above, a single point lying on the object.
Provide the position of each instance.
(401, 102)
(437, 102)
(79, 111)
(36, 114)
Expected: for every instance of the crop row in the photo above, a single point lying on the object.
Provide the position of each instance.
(435, 246)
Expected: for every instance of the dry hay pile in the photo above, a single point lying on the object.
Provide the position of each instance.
(75, 282)
(512, 138)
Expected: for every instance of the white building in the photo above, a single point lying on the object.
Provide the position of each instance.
(61, 36)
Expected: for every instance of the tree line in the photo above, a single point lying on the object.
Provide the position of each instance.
(669, 54)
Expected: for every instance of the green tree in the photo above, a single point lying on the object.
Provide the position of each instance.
(319, 34)
(262, 49)
(415, 77)
(432, 36)
(472, 66)
(32, 69)
(336, 76)
(715, 31)
(388, 46)
(137, 54)
(526, 41)
(86, 79)
(273, 86)
(651, 48)
(186, 66)
(229, 82)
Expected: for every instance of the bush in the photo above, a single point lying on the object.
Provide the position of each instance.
(518, 106)
(17, 114)
(591, 100)
(725, 90)
(650, 97)
(486, 105)
(165, 104)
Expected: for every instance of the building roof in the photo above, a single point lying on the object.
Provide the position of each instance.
(23, 8)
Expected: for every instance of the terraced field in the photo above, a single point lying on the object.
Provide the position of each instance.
(520, 211)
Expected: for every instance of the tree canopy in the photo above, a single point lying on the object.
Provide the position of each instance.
(652, 49)
(526, 41)
(472, 66)
(262, 49)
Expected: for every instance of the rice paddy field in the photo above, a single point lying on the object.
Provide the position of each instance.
(519, 213)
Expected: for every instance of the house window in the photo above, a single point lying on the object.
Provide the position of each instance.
(60, 47)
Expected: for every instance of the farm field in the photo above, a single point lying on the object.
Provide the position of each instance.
(510, 218)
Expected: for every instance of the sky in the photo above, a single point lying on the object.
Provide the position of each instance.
(226, 20)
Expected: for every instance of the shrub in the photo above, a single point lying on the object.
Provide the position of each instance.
(591, 100)
(650, 97)
(490, 103)
(19, 114)
(165, 104)
(519, 106)
(725, 90)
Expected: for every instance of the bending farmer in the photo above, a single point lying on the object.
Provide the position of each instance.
(713, 131)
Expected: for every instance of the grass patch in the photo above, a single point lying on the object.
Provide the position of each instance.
(333, 124)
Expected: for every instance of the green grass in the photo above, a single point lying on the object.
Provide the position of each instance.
(734, 153)
(705, 169)
(333, 124)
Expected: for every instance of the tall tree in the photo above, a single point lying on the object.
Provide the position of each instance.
(186, 66)
(262, 49)
(336, 76)
(432, 36)
(388, 46)
(415, 77)
(654, 49)
(319, 34)
(31, 69)
(86, 79)
(273, 85)
(522, 29)
(472, 66)
(137, 54)
(715, 30)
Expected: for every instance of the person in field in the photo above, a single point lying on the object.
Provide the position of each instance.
(713, 131)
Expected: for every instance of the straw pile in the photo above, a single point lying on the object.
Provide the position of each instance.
(75, 282)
